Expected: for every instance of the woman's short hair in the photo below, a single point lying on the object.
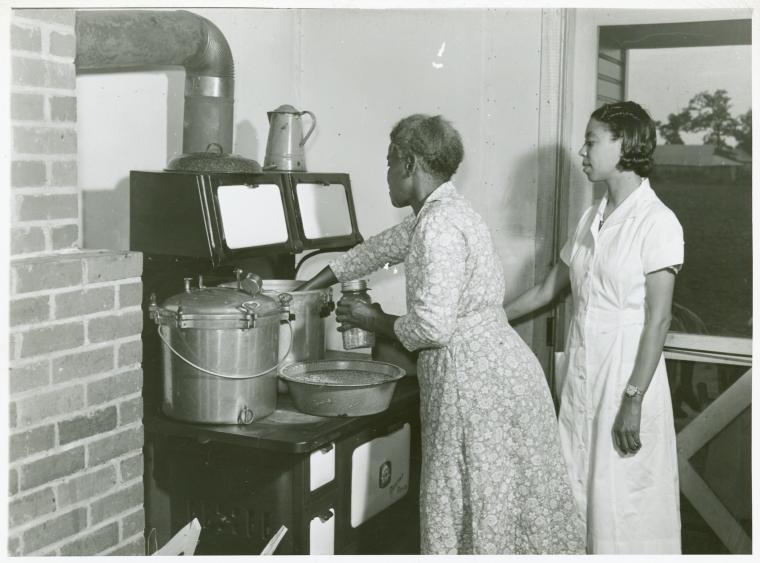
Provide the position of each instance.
(631, 123)
(433, 140)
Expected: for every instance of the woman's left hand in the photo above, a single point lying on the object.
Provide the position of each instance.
(352, 312)
(625, 430)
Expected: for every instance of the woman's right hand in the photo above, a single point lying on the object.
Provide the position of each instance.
(626, 430)
(356, 313)
(541, 294)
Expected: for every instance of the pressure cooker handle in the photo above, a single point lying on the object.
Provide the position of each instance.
(165, 340)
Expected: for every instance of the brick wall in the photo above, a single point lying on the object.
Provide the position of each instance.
(76, 435)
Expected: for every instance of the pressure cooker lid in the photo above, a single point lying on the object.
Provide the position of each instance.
(215, 301)
(214, 160)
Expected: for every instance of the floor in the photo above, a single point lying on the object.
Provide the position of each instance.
(696, 536)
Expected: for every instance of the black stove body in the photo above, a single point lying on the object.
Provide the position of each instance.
(191, 224)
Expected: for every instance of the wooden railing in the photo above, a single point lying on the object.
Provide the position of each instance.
(708, 423)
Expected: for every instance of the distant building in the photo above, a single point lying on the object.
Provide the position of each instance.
(701, 163)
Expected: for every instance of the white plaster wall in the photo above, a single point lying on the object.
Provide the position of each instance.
(124, 124)
(361, 71)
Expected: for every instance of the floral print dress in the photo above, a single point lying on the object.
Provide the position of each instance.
(493, 478)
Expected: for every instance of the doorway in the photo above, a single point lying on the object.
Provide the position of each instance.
(695, 80)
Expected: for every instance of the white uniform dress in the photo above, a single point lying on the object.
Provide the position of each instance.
(493, 478)
(631, 502)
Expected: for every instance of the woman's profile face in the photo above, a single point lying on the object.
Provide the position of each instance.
(600, 153)
(398, 184)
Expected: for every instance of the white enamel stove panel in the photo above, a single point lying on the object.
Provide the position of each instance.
(379, 474)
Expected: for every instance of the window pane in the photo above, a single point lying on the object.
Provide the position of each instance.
(703, 173)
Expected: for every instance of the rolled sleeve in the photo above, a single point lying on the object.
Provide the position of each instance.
(663, 245)
(433, 303)
(388, 247)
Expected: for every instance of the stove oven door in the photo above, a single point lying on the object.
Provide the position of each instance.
(379, 474)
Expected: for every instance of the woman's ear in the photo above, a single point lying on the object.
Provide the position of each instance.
(410, 164)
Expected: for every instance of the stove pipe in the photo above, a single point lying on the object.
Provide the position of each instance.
(131, 39)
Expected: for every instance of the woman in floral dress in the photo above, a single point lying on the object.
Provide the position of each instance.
(493, 478)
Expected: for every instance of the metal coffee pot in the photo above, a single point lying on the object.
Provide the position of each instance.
(286, 139)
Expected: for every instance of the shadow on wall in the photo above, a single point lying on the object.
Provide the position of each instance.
(513, 211)
(105, 217)
(246, 141)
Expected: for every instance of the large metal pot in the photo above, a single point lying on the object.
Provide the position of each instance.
(220, 353)
(310, 309)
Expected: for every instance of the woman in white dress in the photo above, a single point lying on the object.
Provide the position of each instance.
(493, 477)
(616, 418)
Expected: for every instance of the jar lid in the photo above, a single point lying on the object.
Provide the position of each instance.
(354, 285)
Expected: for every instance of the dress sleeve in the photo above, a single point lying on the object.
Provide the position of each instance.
(663, 243)
(434, 294)
(387, 247)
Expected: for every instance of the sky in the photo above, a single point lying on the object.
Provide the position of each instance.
(664, 80)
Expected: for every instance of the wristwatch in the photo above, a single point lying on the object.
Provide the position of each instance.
(632, 391)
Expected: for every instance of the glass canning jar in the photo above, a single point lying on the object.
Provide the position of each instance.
(357, 337)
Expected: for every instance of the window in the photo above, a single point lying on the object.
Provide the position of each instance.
(695, 80)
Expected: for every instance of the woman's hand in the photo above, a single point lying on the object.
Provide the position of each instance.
(355, 313)
(625, 430)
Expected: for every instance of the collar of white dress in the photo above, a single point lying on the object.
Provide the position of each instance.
(626, 210)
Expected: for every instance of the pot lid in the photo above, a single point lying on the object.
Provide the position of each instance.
(285, 108)
(276, 287)
(213, 160)
(221, 301)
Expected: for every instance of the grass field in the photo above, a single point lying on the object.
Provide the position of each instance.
(716, 280)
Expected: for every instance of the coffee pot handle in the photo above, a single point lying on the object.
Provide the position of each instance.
(311, 129)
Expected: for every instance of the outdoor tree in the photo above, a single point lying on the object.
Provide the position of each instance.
(743, 132)
(671, 131)
(709, 113)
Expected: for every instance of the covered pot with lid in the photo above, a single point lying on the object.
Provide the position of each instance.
(213, 160)
(220, 352)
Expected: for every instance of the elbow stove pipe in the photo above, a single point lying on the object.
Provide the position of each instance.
(132, 39)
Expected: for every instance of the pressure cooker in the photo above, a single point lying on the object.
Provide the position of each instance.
(220, 351)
